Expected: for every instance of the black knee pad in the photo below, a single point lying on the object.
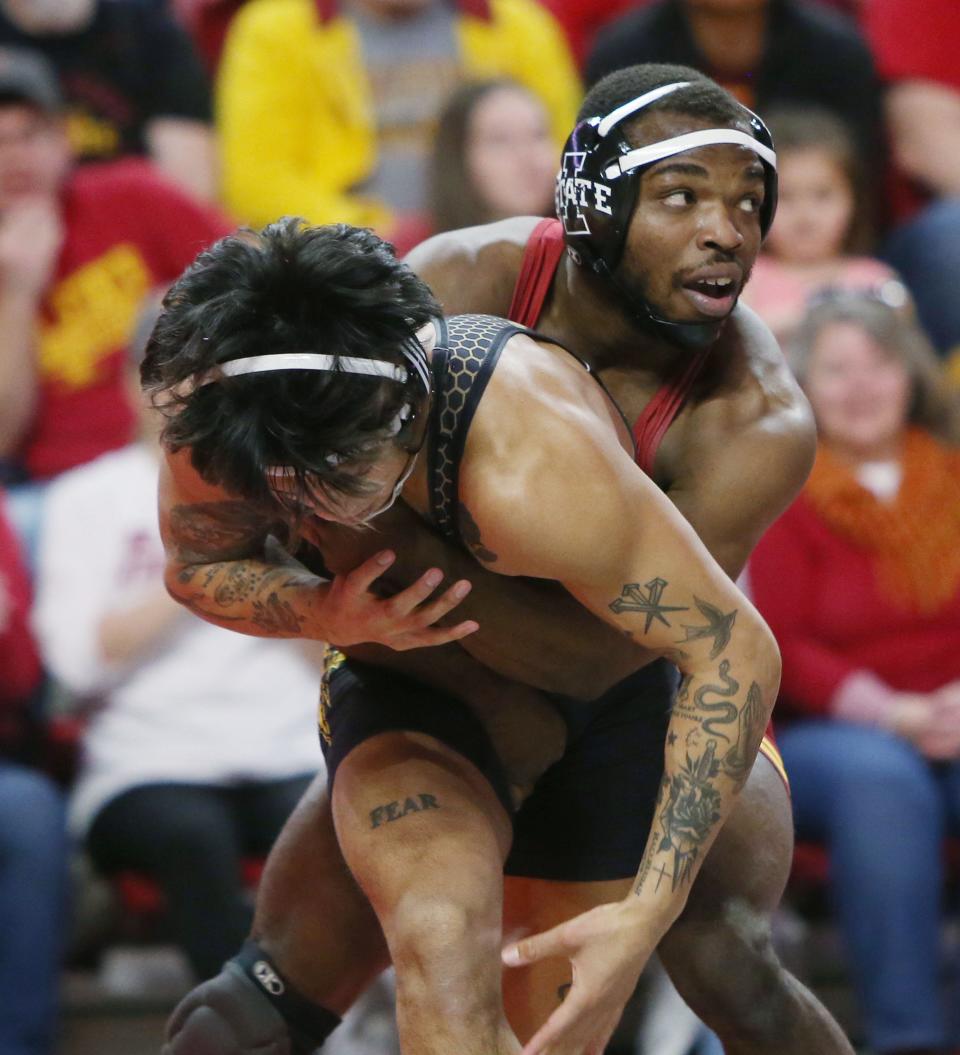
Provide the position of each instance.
(249, 1008)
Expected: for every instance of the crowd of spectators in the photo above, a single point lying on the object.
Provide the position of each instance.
(133, 133)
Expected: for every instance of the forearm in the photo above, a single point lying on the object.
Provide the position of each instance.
(716, 726)
(253, 596)
(18, 370)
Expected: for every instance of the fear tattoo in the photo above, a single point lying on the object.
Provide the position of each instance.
(645, 599)
(276, 616)
(397, 810)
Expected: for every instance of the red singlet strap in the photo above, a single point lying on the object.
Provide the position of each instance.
(540, 258)
(658, 415)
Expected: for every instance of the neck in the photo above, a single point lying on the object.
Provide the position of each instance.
(730, 41)
(591, 320)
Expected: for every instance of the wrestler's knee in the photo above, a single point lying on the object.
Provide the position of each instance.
(231, 1014)
(729, 973)
(443, 947)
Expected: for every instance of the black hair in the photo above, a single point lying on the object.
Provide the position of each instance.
(702, 97)
(336, 290)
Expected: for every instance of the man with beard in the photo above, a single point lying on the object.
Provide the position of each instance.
(664, 201)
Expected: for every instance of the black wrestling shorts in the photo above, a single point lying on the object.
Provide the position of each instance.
(588, 816)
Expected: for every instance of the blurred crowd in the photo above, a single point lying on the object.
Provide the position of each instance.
(133, 133)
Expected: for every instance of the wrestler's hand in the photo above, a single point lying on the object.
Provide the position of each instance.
(345, 548)
(608, 947)
(353, 613)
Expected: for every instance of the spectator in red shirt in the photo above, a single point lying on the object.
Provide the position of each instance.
(860, 581)
(915, 46)
(33, 851)
(79, 249)
(132, 80)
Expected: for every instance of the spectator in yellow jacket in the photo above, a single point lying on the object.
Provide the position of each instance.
(327, 111)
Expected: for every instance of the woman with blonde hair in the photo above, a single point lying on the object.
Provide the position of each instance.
(860, 581)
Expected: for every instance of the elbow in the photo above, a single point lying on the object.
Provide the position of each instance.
(768, 663)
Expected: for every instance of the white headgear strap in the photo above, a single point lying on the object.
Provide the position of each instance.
(623, 112)
(261, 364)
(666, 148)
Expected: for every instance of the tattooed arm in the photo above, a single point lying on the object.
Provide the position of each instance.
(220, 565)
(622, 549)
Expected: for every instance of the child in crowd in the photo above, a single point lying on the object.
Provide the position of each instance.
(822, 230)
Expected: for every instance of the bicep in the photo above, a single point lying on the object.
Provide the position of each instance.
(733, 499)
(607, 533)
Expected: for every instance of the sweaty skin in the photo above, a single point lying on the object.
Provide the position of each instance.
(599, 527)
(734, 458)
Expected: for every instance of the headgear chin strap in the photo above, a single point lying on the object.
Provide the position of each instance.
(597, 189)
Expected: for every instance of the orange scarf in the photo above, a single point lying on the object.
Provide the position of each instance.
(914, 540)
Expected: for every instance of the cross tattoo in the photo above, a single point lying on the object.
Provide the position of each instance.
(661, 872)
(632, 599)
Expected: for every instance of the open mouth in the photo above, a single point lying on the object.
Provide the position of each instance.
(715, 297)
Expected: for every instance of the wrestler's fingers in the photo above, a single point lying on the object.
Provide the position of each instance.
(537, 947)
(432, 636)
(412, 597)
(365, 575)
(428, 613)
(557, 1035)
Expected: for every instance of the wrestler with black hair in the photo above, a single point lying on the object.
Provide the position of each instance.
(649, 300)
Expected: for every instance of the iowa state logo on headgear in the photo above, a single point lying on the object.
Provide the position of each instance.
(575, 191)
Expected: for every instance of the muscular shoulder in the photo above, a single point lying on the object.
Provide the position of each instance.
(544, 428)
(747, 447)
(474, 270)
(747, 386)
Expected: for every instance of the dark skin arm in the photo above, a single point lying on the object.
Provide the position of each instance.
(743, 459)
(567, 649)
